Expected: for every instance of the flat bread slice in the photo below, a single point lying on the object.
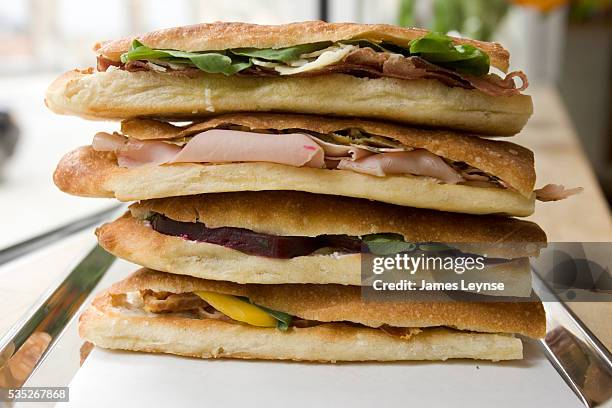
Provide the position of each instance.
(338, 303)
(119, 94)
(114, 328)
(85, 172)
(132, 239)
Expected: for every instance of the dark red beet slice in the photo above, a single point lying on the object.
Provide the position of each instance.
(254, 243)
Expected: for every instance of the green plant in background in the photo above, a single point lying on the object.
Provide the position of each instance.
(472, 18)
(584, 10)
(406, 14)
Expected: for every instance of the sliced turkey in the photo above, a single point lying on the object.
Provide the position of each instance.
(419, 162)
(225, 146)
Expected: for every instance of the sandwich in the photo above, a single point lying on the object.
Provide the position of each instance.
(370, 71)
(386, 162)
(292, 237)
(162, 313)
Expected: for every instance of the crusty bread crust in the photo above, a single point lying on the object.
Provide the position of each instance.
(336, 303)
(225, 35)
(512, 163)
(135, 241)
(86, 172)
(120, 94)
(110, 327)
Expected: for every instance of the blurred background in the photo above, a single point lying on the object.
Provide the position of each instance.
(562, 45)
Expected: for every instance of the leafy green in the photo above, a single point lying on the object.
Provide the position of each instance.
(434, 47)
(283, 319)
(211, 62)
(140, 52)
(387, 244)
(390, 243)
(281, 54)
(439, 49)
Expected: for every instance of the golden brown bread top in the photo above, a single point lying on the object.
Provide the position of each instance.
(512, 163)
(225, 35)
(304, 214)
(330, 303)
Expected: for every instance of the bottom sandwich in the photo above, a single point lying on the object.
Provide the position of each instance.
(158, 312)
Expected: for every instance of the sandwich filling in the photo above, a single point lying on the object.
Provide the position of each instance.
(287, 247)
(352, 150)
(226, 308)
(433, 56)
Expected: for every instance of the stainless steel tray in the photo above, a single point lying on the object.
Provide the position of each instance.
(577, 355)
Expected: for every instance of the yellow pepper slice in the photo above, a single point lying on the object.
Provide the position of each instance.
(238, 309)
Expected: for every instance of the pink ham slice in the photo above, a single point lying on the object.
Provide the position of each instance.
(555, 192)
(137, 153)
(419, 162)
(132, 152)
(226, 146)
(217, 146)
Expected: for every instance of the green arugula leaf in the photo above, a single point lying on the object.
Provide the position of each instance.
(140, 52)
(434, 47)
(281, 54)
(439, 49)
(387, 244)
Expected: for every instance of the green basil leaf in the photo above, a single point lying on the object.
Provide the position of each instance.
(387, 244)
(281, 54)
(439, 49)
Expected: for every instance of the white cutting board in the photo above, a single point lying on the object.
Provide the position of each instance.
(117, 378)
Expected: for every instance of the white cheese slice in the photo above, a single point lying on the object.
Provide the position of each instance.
(327, 58)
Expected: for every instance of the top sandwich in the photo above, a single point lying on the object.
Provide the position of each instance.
(376, 71)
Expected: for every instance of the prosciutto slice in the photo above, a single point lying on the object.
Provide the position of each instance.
(556, 192)
(419, 162)
(398, 66)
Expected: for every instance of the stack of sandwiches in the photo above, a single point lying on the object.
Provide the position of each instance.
(262, 160)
